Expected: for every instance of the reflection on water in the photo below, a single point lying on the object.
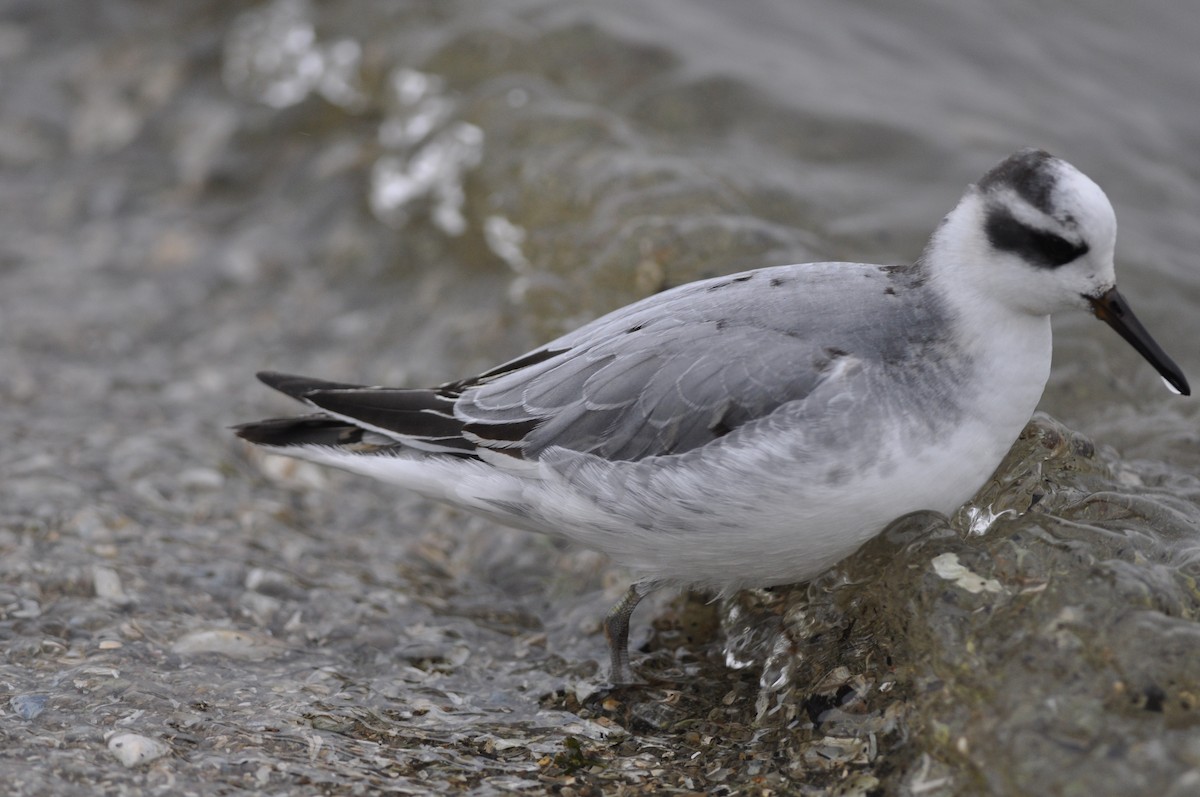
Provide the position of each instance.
(272, 55)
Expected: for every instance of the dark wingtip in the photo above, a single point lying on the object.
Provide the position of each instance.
(249, 431)
(298, 431)
(260, 432)
(290, 384)
(298, 387)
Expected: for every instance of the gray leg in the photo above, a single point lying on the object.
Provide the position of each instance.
(616, 630)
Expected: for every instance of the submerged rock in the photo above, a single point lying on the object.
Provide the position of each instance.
(28, 707)
(227, 642)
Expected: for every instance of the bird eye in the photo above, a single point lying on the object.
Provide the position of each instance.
(1040, 248)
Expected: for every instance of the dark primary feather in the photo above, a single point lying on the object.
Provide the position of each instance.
(421, 417)
(314, 430)
(417, 413)
(299, 386)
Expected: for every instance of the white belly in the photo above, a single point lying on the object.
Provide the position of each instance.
(759, 515)
(773, 509)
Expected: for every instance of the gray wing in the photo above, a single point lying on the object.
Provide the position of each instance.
(663, 376)
(678, 370)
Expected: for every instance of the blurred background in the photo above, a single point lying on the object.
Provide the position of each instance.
(406, 192)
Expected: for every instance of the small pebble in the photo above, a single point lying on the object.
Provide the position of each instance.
(948, 567)
(201, 479)
(237, 644)
(28, 706)
(133, 749)
(107, 584)
(28, 610)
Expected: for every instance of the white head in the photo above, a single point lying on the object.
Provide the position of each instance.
(1035, 234)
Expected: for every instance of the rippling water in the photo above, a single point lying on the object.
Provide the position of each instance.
(407, 192)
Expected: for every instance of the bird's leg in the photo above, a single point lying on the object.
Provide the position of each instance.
(616, 630)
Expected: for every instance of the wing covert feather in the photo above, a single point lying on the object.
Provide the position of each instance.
(674, 372)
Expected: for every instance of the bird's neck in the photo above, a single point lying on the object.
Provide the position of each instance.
(1008, 348)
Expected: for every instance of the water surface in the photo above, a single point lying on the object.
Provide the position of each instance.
(409, 192)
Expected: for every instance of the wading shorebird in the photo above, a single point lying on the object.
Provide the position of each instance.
(754, 429)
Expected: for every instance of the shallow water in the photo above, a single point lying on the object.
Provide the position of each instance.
(405, 193)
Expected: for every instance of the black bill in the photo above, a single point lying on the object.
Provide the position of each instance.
(1111, 308)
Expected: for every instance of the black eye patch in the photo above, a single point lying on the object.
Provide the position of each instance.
(1039, 247)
